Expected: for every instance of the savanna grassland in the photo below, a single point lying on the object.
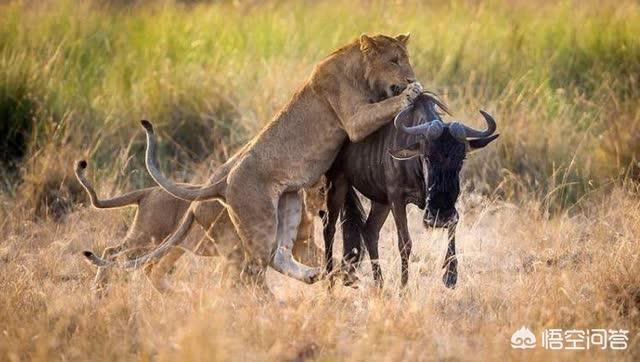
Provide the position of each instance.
(550, 228)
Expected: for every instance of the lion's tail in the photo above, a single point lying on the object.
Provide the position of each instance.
(119, 201)
(216, 189)
(176, 238)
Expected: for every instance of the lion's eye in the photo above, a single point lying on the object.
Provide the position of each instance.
(395, 61)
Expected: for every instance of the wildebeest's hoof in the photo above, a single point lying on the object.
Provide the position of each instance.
(450, 279)
(379, 284)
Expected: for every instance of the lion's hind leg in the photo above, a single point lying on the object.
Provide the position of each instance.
(155, 271)
(131, 242)
(289, 217)
(267, 230)
(102, 275)
(158, 271)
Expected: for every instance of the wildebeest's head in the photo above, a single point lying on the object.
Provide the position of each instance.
(442, 148)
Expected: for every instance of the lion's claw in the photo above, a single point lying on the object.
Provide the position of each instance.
(412, 92)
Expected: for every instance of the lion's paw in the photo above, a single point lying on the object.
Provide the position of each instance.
(410, 93)
(313, 275)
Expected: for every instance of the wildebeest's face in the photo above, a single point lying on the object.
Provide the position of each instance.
(442, 148)
(442, 159)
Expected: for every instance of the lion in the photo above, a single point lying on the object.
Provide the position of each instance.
(350, 94)
(158, 214)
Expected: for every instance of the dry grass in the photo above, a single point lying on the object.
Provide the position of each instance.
(517, 268)
(551, 212)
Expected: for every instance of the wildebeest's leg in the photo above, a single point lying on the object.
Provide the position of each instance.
(404, 239)
(375, 220)
(450, 276)
(335, 199)
(352, 219)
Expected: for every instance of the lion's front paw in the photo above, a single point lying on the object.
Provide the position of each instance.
(313, 275)
(410, 93)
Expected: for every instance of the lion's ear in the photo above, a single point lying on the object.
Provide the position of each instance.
(403, 38)
(367, 44)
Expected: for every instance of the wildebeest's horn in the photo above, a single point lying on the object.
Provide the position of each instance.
(474, 133)
(431, 130)
(457, 130)
(397, 121)
(434, 129)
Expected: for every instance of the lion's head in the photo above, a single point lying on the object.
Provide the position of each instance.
(387, 67)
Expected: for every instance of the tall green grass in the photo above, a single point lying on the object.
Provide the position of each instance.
(561, 79)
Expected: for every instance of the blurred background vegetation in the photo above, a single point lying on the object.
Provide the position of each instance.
(561, 78)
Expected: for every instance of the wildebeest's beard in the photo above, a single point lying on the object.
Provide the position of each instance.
(443, 160)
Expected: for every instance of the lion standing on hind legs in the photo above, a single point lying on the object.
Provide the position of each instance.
(350, 94)
(158, 214)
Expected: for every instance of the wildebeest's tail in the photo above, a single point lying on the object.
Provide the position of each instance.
(216, 188)
(130, 198)
(352, 219)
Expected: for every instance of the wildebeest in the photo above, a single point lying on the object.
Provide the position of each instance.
(418, 161)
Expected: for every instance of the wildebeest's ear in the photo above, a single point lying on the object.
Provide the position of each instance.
(481, 142)
(406, 153)
(403, 38)
(367, 44)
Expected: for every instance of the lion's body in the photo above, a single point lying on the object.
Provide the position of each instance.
(158, 214)
(259, 185)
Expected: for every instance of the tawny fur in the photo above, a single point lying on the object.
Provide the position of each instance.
(158, 214)
(349, 95)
